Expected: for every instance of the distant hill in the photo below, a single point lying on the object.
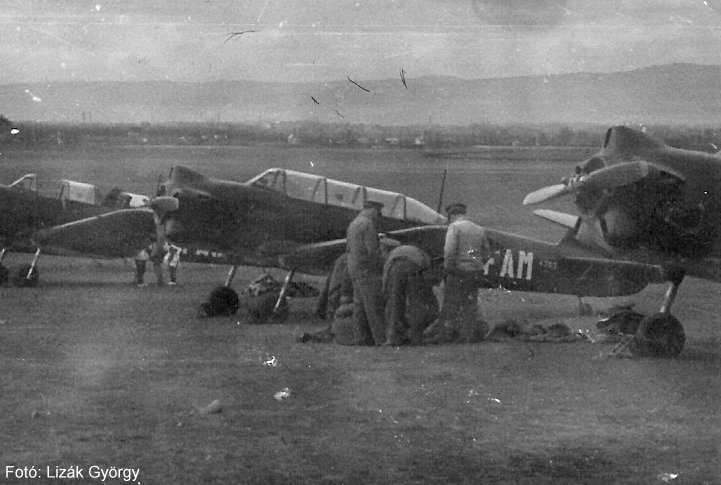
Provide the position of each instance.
(671, 94)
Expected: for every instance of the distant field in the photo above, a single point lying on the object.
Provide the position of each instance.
(491, 180)
(98, 372)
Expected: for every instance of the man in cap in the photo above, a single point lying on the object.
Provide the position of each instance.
(465, 251)
(365, 266)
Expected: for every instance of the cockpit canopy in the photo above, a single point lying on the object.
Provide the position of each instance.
(61, 189)
(70, 190)
(314, 188)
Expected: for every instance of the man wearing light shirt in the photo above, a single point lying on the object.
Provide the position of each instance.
(465, 251)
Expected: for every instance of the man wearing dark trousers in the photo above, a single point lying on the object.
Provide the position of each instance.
(411, 306)
(465, 251)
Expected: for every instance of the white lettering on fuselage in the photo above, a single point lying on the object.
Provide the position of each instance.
(509, 269)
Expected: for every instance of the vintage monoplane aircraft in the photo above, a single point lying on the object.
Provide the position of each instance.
(280, 218)
(648, 213)
(31, 204)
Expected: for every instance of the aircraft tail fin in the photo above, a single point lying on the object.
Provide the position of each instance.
(183, 176)
(622, 141)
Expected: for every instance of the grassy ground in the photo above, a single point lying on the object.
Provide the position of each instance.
(94, 371)
(98, 372)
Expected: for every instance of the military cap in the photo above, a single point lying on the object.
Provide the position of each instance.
(456, 208)
(373, 204)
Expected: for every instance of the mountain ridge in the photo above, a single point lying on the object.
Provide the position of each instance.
(672, 94)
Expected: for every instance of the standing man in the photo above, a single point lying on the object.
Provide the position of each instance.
(172, 259)
(465, 251)
(365, 267)
(157, 253)
(141, 261)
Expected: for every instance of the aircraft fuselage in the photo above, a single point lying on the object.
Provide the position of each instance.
(255, 222)
(23, 212)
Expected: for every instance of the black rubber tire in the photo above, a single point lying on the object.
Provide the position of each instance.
(4, 274)
(260, 309)
(659, 335)
(21, 280)
(222, 301)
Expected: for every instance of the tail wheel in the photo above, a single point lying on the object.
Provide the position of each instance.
(658, 335)
(22, 279)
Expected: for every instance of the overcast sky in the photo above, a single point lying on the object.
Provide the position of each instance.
(315, 40)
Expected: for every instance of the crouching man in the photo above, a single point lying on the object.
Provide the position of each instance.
(411, 306)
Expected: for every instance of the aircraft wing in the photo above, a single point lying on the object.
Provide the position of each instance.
(605, 271)
(117, 234)
(318, 258)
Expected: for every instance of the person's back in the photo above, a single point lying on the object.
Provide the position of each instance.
(410, 302)
(364, 258)
(466, 246)
(465, 252)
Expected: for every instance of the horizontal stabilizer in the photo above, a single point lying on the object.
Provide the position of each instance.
(568, 221)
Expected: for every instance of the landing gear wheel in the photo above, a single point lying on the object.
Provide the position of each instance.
(260, 309)
(659, 335)
(4, 274)
(222, 301)
(21, 277)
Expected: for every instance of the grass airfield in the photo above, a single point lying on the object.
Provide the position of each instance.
(98, 372)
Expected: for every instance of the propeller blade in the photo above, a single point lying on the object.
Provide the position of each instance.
(546, 193)
(164, 204)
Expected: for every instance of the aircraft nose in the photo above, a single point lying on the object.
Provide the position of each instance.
(591, 165)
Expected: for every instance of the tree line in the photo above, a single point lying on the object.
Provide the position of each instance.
(31, 135)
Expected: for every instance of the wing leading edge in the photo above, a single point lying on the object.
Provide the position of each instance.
(118, 234)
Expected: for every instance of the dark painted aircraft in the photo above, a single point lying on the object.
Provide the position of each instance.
(280, 218)
(31, 204)
(648, 213)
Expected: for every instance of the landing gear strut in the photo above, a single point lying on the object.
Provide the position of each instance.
(224, 300)
(28, 275)
(271, 307)
(661, 334)
(4, 275)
